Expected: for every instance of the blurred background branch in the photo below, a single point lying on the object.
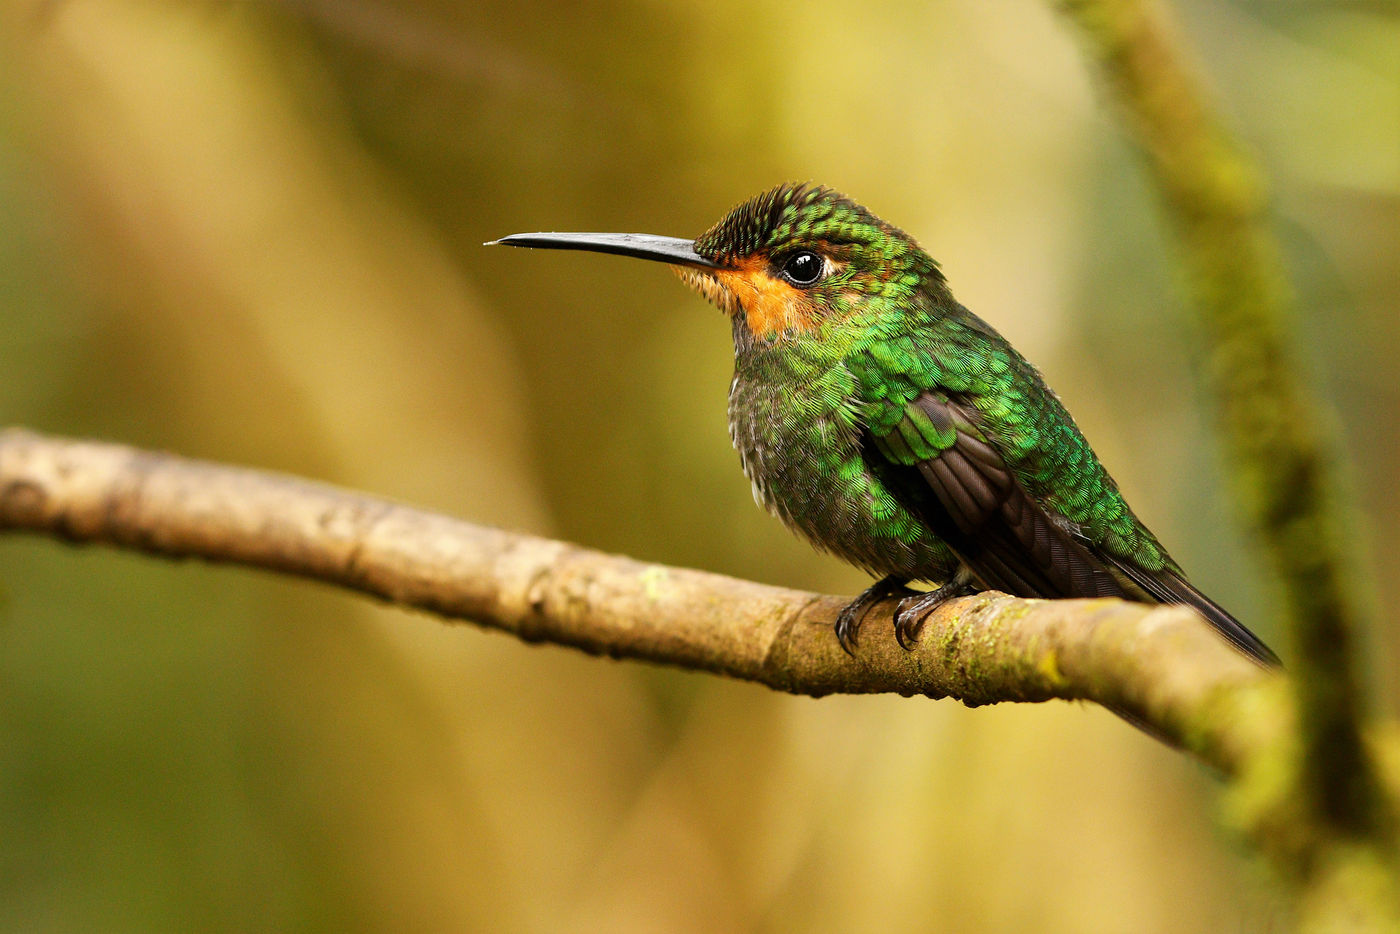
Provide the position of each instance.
(1280, 439)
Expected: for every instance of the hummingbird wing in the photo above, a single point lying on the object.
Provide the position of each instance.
(962, 487)
(940, 460)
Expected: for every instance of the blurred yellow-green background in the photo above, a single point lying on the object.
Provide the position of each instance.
(252, 232)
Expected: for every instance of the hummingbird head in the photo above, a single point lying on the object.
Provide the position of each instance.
(798, 256)
(786, 262)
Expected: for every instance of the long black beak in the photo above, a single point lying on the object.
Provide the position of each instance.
(643, 246)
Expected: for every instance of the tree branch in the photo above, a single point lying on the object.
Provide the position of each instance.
(1274, 429)
(1281, 456)
(1160, 667)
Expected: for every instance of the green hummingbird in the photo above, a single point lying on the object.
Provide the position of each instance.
(892, 427)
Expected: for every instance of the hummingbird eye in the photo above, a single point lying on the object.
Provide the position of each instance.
(803, 268)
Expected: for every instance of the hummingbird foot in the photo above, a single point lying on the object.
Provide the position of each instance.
(848, 623)
(909, 618)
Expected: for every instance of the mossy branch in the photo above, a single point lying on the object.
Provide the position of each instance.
(1278, 436)
(1160, 666)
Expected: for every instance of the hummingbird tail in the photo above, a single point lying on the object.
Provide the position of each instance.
(1170, 587)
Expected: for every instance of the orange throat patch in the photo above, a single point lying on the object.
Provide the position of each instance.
(770, 306)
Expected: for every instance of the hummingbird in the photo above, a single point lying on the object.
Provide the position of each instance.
(890, 426)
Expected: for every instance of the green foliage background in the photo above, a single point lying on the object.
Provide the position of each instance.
(251, 232)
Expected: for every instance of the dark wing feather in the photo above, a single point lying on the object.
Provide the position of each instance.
(979, 507)
(971, 497)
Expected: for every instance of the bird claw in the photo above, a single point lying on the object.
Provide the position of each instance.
(909, 617)
(850, 618)
(908, 621)
(848, 626)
